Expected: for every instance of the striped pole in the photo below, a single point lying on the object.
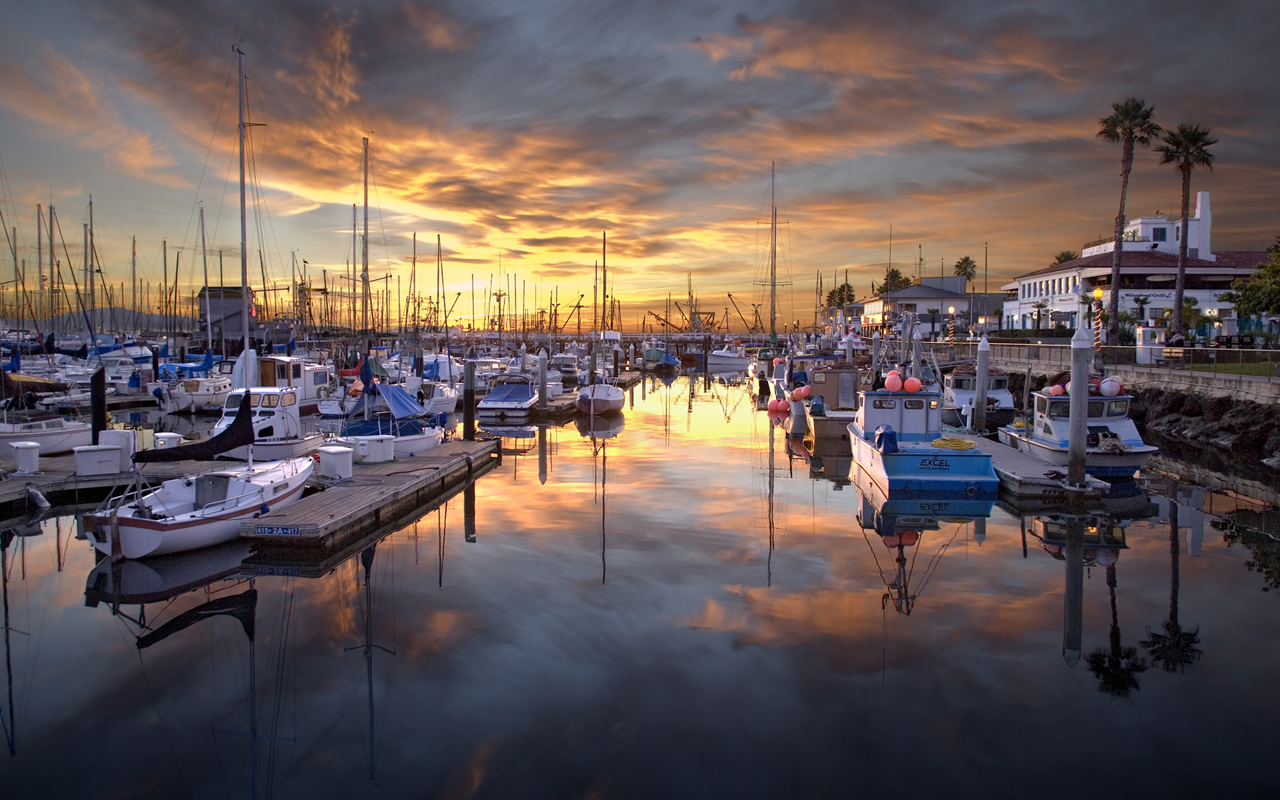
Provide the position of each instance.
(951, 333)
(1097, 329)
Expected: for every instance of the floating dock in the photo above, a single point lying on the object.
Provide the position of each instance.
(58, 482)
(375, 496)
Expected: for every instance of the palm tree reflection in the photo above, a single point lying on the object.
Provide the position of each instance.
(1175, 649)
(1118, 667)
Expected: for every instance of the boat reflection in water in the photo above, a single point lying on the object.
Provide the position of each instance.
(902, 520)
(599, 430)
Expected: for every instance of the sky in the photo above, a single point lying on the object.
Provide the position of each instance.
(520, 132)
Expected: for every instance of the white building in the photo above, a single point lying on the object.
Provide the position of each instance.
(1060, 294)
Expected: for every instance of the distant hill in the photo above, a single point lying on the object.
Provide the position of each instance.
(111, 320)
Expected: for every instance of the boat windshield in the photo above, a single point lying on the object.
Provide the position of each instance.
(1059, 409)
(1118, 408)
(233, 402)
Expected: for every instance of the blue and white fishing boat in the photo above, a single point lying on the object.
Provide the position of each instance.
(896, 437)
(512, 397)
(1113, 448)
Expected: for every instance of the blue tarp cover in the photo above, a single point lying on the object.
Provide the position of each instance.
(394, 397)
(510, 393)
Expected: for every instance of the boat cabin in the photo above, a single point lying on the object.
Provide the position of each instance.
(308, 378)
(275, 412)
(1108, 418)
(913, 416)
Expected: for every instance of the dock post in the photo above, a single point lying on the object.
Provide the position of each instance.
(631, 356)
(1073, 597)
(917, 356)
(542, 454)
(706, 363)
(848, 348)
(469, 402)
(524, 362)
(1078, 428)
(980, 388)
(875, 350)
(542, 380)
(469, 512)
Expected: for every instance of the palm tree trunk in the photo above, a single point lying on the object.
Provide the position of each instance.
(1176, 326)
(1113, 303)
(1116, 649)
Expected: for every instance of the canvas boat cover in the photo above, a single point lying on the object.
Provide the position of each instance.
(393, 397)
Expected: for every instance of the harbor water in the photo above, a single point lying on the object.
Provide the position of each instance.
(683, 602)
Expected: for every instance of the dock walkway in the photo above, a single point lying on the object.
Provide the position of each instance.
(376, 494)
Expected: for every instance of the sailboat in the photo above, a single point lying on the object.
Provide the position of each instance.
(598, 397)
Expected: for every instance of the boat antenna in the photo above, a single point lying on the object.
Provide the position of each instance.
(244, 230)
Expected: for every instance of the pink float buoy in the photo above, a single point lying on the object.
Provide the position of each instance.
(1109, 387)
(1057, 390)
(911, 384)
(893, 383)
(805, 391)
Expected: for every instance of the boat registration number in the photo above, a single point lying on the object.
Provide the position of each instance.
(278, 530)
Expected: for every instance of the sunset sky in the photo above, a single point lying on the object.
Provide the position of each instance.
(527, 128)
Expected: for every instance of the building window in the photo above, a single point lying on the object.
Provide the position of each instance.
(1177, 233)
(1159, 235)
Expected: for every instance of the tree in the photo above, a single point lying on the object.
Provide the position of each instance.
(1130, 123)
(1039, 306)
(967, 268)
(1175, 649)
(1260, 292)
(1186, 148)
(1141, 301)
(842, 295)
(1193, 317)
(893, 281)
(1064, 256)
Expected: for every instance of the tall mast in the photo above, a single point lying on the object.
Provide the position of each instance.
(364, 254)
(604, 274)
(355, 259)
(208, 313)
(51, 251)
(40, 261)
(92, 275)
(133, 278)
(244, 233)
(773, 259)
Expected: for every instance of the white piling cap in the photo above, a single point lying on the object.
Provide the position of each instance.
(917, 336)
(1081, 339)
(877, 335)
(983, 345)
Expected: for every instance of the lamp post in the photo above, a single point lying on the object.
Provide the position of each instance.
(951, 333)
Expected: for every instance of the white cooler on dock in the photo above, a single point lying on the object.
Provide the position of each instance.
(375, 449)
(127, 441)
(26, 457)
(335, 462)
(97, 459)
(166, 440)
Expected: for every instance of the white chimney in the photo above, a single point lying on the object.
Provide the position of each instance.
(1204, 227)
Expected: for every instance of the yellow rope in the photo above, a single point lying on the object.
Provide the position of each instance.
(954, 444)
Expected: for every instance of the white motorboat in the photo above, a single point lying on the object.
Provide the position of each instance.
(1113, 447)
(730, 358)
(54, 435)
(191, 394)
(513, 396)
(277, 425)
(202, 510)
(601, 398)
(392, 412)
(438, 397)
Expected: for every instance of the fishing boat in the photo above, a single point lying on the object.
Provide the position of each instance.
(959, 390)
(277, 425)
(1113, 448)
(199, 511)
(191, 395)
(896, 437)
(512, 396)
(730, 358)
(600, 398)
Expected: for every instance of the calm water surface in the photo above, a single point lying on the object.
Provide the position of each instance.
(658, 613)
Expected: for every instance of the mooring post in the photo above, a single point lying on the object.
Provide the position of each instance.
(1078, 427)
(469, 402)
(875, 351)
(917, 356)
(542, 379)
(980, 391)
(1073, 600)
(542, 454)
(631, 356)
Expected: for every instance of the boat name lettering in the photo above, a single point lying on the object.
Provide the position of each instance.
(934, 506)
(935, 463)
(278, 530)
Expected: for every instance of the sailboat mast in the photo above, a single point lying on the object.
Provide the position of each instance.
(364, 254)
(244, 233)
(773, 258)
(40, 261)
(93, 296)
(208, 313)
(133, 279)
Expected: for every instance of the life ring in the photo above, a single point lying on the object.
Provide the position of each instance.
(322, 393)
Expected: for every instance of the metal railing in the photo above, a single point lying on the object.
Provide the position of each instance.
(1213, 360)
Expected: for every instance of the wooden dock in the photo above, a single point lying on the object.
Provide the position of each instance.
(377, 495)
(1023, 477)
(60, 485)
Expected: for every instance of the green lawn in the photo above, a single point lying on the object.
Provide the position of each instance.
(1262, 370)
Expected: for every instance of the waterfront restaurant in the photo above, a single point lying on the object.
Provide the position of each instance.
(936, 301)
(1148, 270)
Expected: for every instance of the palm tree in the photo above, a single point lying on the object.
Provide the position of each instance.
(967, 268)
(1175, 649)
(842, 295)
(1130, 123)
(1141, 301)
(1117, 669)
(1186, 148)
(1039, 306)
(1064, 256)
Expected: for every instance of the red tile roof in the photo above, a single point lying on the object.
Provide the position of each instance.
(1154, 259)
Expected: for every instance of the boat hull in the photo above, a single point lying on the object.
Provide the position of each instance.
(996, 417)
(601, 398)
(1098, 463)
(51, 440)
(278, 450)
(916, 468)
